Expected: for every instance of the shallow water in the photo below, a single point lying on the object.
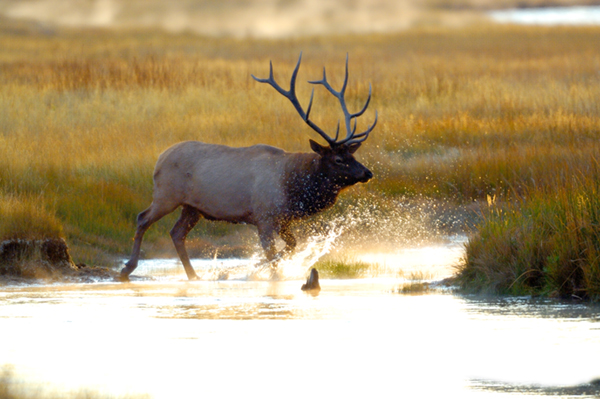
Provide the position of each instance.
(247, 337)
(580, 15)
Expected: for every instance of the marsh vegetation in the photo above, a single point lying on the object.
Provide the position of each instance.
(466, 114)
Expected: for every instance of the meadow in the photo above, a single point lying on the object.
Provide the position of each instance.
(465, 114)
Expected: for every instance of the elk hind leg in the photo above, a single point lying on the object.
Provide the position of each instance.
(144, 220)
(289, 239)
(266, 233)
(188, 219)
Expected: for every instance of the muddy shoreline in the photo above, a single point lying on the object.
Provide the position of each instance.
(24, 261)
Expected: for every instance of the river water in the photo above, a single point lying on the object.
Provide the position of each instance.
(250, 336)
(579, 15)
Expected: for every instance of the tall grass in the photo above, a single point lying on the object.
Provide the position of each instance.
(27, 218)
(548, 243)
(464, 113)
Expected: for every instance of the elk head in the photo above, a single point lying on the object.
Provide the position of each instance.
(337, 159)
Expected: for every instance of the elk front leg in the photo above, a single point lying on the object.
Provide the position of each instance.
(267, 233)
(188, 219)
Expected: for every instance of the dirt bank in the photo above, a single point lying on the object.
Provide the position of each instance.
(47, 260)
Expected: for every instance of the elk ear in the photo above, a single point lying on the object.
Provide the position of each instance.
(318, 148)
(353, 147)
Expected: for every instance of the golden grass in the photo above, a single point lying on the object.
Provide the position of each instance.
(463, 113)
(26, 217)
(547, 243)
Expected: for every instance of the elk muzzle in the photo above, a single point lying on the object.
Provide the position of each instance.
(366, 176)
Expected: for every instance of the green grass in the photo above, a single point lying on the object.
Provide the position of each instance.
(413, 288)
(345, 268)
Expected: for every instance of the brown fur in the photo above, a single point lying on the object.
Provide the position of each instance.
(259, 185)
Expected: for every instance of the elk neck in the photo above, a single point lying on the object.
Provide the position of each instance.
(308, 186)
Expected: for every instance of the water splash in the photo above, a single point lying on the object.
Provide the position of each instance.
(407, 234)
(289, 267)
(378, 225)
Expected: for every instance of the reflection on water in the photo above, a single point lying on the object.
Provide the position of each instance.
(582, 15)
(535, 307)
(236, 338)
(587, 390)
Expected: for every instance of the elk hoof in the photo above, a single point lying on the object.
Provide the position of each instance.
(312, 283)
(123, 277)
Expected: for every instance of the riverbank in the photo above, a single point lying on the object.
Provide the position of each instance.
(23, 261)
(546, 243)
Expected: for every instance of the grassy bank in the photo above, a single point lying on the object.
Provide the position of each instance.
(547, 243)
(464, 113)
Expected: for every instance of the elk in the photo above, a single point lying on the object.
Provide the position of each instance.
(259, 185)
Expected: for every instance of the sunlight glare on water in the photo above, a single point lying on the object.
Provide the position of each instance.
(428, 262)
(241, 337)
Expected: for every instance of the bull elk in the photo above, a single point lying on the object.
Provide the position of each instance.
(259, 185)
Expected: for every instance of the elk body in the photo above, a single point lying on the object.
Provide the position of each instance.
(259, 185)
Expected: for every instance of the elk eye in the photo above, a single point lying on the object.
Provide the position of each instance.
(339, 161)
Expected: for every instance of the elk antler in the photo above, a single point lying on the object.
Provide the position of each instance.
(351, 137)
(290, 94)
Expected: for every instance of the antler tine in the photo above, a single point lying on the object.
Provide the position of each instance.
(312, 94)
(350, 138)
(343, 91)
(362, 111)
(291, 95)
(270, 80)
(359, 138)
(340, 95)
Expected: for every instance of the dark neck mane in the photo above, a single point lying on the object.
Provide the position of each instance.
(309, 190)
